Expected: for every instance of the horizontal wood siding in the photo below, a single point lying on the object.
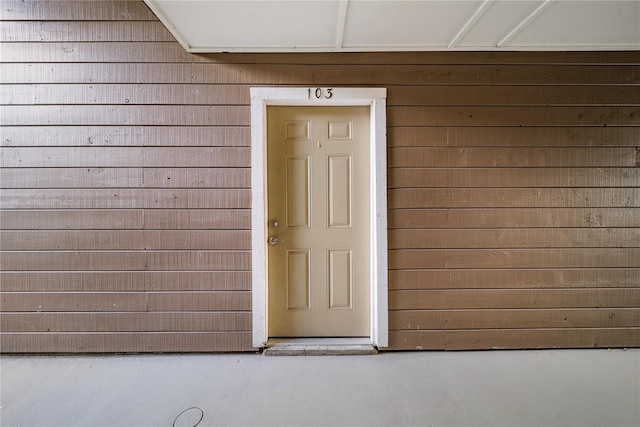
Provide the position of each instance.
(125, 222)
(514, 188)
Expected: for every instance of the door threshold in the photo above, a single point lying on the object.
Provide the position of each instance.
(319, 347)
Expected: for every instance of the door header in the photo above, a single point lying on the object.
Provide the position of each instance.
(324, 95)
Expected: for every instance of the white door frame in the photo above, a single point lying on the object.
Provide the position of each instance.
(376, 98)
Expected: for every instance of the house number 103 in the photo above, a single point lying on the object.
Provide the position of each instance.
(320, 93)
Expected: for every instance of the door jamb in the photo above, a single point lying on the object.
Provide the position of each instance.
(376, 98)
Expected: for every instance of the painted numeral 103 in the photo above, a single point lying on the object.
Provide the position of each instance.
(319, 93)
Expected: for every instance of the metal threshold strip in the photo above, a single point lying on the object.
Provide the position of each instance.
(319, 347)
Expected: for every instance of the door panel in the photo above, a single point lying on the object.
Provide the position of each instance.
(339, 194)
(298, 192)
(340, 278)
(298, 279)
(318, 209)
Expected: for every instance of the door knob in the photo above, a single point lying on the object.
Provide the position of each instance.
(273, 240)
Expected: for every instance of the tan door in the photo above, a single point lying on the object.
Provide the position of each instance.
(318, 197)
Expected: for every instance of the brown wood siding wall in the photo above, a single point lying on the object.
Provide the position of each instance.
(514, 188)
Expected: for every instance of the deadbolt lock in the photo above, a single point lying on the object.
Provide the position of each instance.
(273, 240)
(273, 223)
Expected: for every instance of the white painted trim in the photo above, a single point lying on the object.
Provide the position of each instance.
(376, 98)
(416, 48)
(342, 22)
(471, 23)
(525, 22)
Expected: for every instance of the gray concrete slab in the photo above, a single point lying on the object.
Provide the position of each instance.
(494, 388)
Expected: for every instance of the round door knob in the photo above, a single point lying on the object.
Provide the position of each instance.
(273, 240)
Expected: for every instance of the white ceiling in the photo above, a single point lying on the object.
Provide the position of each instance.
(400, 25)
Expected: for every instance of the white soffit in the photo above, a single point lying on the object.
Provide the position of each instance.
(400, 25)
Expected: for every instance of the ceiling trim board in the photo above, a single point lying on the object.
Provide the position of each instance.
(470, 23)
(342, 22)
(420, 48)
(572, 47)
(524, 23)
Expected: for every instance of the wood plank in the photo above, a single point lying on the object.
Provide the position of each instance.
(207, 280)
(77, 281)
(417, 340)
(199, 301)
(514, 218)
(515, 278)
(514, 258)
(98, 51)
(124, 94)
(506, 157)
(180, 94)
(108, 157)
(451, 58)
(122, 342)
(512, 238)
(199, 260)
(126, 322)
(126, 219)
(70, 260)
(116, 136)
(125, 301)
(517, 338)
(569, 136)
(418, 198)
(543, 338)
(200, 177)
(80, 10)
(129, 50)
(124, 115)
(71, 178)
(84, 31)
(124, 281)
(317, 74)
(126, 261)
(558, 95)
(480, 299)
(124, 240)
(516, 177)
(399, 177)
(96, 31)
(577, 58)
(512, 116)
(126, 199)
(513, 319)
(198, 219)
(125, 178)
(64, 302)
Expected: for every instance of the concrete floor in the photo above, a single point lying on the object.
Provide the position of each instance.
(493, 388)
